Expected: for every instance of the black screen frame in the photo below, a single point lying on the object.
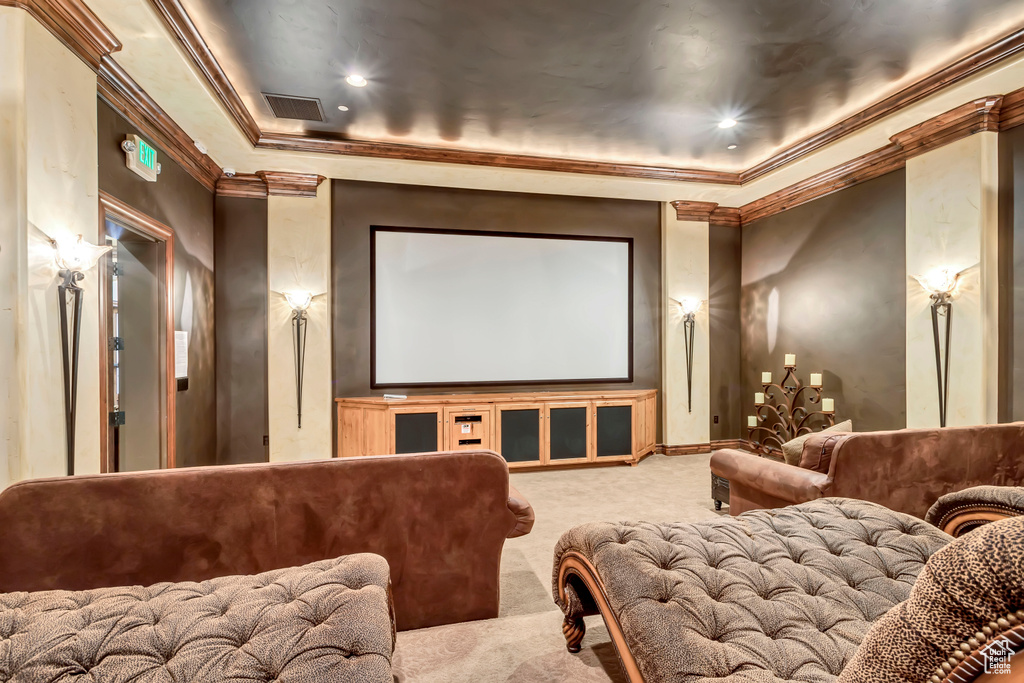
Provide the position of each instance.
(374, 384)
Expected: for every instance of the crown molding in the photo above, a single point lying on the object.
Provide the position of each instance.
(115, 86)
(687, 210)
(974, 117)
(187, 35)
(246, 185)
(181, 26)
(394, 150)
(728, 217)
(74, 24)
(284, 184)
(1011, 114)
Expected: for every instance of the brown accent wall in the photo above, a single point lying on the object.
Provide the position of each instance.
(1012, 275)
(726, 393)
(358, 205)
(179, 201)
(241, 277)
(827, 280)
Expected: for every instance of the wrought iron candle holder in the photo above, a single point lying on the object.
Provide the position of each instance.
(781, 413)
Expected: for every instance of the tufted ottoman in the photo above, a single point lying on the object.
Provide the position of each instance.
(326, 621)
(772, 595)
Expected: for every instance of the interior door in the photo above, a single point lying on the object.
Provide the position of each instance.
(137, 350)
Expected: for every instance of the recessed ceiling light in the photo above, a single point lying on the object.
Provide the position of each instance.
(728, 123)
(342, 107)
(357, 81)
(731, 147)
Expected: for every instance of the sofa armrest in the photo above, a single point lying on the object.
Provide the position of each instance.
(777, 479)
(523, 511)
(961, 511)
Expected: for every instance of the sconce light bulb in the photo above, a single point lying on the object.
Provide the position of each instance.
(690, 305)
(75, 254)
(299, 301)
(941, 282)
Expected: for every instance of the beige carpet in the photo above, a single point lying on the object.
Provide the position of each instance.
(525, 642)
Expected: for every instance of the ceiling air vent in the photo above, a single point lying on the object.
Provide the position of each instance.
(289, 107)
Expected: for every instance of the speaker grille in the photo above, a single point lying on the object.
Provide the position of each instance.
(290, 107)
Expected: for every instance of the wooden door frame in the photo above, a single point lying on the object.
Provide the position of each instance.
(112, 206)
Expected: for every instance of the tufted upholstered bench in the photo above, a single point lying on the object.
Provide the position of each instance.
(772, 595)
(327, 621)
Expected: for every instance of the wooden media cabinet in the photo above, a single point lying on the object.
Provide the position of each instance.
(534, 429)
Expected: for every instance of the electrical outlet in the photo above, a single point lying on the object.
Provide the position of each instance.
(716, 419)
(266, 440)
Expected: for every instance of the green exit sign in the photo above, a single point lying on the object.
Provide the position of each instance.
(141, 157)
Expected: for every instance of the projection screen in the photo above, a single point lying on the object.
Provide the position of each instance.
(460, 307)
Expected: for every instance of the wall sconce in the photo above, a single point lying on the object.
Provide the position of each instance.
(299, 301)
(73, 256)
(942, 285)
(689, 308)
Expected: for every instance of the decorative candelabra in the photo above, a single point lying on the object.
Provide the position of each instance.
(780, 411)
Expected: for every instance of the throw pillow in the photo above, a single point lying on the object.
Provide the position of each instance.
(792, 450)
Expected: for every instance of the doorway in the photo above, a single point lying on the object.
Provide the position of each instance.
(137, 333)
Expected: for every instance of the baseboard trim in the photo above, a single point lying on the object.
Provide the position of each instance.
(695, 448)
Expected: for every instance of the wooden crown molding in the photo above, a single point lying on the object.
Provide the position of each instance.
(993, 113)
(973, 117)
(284, 184)
(181, 26)
(726, 216)
(246, 185)
(693, 211)
(74, 24)
(126, 96)
(180, 23)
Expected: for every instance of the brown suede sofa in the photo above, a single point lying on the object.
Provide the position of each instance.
(829, 590)
(439, 519)
(905, 470)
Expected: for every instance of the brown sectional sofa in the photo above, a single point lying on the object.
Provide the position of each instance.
(330, 620)
(832, 589)
(905, 470)
(439, 519)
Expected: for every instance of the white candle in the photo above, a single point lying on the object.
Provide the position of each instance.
(815, 379)
(766, 378)
(758, 398)
(828, 405)
(790, 359)
(751, 421)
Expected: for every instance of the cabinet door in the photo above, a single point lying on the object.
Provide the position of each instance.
(613, 429)
(568, 437)
(518, 431)
(416, 429)
(468, 429)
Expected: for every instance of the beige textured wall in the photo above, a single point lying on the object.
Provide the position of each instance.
(952, 222)
(685, 255)
(48, 187)
(299, 258)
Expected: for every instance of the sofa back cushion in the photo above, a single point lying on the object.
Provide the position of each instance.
(439, 519)
(907, 470)
(793, 449)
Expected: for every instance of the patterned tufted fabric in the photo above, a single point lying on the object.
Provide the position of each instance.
(966, 590)
(326, 621)
(772, 595)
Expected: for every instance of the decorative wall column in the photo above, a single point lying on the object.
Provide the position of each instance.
(684, 269)
(299, 259)
(952, 223)
(48, 188)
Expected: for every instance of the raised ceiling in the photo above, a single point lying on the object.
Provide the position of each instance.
(631, 81)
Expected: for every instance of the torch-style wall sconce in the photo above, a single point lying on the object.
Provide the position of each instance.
(942, 286)
(73, 256)
(689, 307)
(299, 301)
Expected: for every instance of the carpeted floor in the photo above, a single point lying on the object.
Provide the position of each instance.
(524, 644)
